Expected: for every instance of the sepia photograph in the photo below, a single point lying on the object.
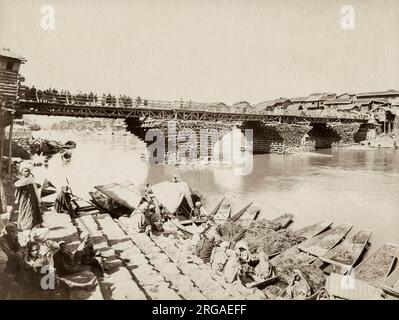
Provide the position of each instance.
(199, 150)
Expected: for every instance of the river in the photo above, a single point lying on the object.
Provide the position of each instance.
(355, 186)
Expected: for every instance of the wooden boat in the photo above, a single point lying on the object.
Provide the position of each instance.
(313, 230)
(347, 253)
(260, 284)
(66, 156)
(101, 201)
(321, 244)
(238, 215)
(376, 267)
(47, 189)
(293, 251)
(216, 208)
(69, 145)
(391, 284)
(283, 221)
(181, 228)
(223, 213)
(248, 217)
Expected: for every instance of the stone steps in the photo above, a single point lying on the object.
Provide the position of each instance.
(188, 275)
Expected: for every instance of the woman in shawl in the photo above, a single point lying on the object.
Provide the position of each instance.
(298, 287)
(27, 196)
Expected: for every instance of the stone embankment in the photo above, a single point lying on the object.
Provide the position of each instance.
(139, 266)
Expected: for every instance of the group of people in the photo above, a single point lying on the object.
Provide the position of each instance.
(22, 269)
(65, 97)
(232, 259)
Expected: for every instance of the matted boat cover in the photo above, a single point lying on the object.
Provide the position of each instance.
(126, 194)
(171, 194)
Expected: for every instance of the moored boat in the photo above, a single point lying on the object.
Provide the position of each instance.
(321, 244)
(314, 229)
(391, 284)
(376, 267)
(346, 254)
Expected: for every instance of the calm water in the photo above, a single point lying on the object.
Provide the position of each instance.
(356, 186)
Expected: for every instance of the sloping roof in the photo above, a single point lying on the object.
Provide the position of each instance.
(379, 93)
(320, 96)
(5, 52)
(368, 101)
(338, 101)
(348, 107)
(242, 104)
(298, 99)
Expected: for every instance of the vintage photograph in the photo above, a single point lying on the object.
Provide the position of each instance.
(199, 150)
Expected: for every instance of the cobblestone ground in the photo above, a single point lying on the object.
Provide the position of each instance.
(140, 267)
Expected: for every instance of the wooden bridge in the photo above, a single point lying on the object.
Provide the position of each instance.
(178, 110)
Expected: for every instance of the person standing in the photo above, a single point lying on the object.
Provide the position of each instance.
(27, 196)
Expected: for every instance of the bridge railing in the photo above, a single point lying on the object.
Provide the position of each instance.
(92, 100)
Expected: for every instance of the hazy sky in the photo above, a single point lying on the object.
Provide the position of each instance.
(206, 50)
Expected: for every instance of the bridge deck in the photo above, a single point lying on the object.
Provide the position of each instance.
(181, 111)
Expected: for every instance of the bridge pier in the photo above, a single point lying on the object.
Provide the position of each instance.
(171, 141)
(347, 132)
(276, 137)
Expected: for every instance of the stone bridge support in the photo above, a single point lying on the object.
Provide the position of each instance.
(348, 133)
(276, 137)
(173, 141)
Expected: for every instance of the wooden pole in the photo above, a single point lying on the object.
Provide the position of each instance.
(10, 144)
(1, 144)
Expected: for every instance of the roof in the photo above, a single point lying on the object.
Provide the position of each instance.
(298, 99)
(320, 96)
(242, 103)
(5, 52)
(338, 101)
(368, 101)
(348, 107)
(379, 93)
(386, 109)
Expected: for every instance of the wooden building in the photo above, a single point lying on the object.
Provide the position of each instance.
(10, 79)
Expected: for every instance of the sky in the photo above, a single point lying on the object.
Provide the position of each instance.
(206, 51)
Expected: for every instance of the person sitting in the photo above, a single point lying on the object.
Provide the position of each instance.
(64, 261)
(10, 246)
(234, 269)
(86, 255)
(198, 213)
(148, 193)
(205, 247)
(264, 269)
(298, 287)
(65, 203)
(33, 264)
(47, 247)
(164, 213)
(219, 256)
(9, 288)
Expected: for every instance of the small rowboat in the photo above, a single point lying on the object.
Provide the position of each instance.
(391, 284)
(313, 230)
(376, 267)
(321, 244)
(101, 202)
(346, 254)
(238, 215)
